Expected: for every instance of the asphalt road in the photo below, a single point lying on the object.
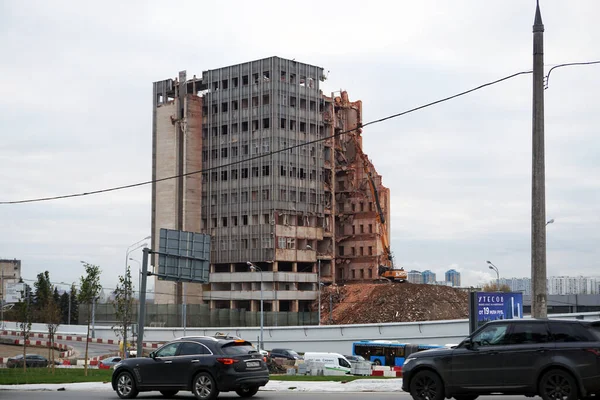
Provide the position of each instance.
(18, 395)
(94, 349)
(75, 395)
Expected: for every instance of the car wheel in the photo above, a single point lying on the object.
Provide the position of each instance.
(169, 393)
(126, 386)
(558, 385)
(466, 397)
(247, 392)
(205, 387)
(427, 385)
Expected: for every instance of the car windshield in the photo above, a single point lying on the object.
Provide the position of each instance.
(293, 353)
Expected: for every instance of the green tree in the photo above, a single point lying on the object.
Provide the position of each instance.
(89, 289)
(42, 295)
(24, 317)
(123, 305)
(493, 287)
(52, 316)
(74, 306)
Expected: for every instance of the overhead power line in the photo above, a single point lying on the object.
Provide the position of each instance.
(123, 187)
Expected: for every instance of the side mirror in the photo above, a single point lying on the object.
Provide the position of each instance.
(152, 355)
(467, 343)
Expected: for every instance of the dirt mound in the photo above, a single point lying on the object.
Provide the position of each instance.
(369, 303)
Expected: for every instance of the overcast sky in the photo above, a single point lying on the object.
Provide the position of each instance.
(75, 116)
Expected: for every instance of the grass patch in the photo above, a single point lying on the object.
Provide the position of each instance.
(333, 378)
(16, 376)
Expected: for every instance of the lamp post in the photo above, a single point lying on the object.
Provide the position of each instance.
(254, 268)
(318, 282)
(131, 248)
(492, 266)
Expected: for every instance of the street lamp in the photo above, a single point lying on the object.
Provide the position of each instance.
(254, 268)
(318, 281)
(492, 266)
(131, 248)
(550, 221)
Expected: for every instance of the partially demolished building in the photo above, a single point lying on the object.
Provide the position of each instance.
(273, 170)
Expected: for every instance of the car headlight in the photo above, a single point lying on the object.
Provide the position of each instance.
(408, 360)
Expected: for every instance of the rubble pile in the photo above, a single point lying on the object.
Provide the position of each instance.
(366, 303)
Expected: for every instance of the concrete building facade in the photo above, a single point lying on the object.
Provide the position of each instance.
(10, 273)
(267, 165)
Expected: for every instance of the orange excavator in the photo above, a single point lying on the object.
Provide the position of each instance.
(386, 269)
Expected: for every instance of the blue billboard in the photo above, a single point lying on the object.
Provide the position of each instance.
(498, 305)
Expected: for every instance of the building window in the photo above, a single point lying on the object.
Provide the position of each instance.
(265, 194)
(370, 228)
(255, 219)
(244, 173)
(255, 171)
(353, 250)
(224, 222)
(266, 243)
(340, 250)
(362, 228)
(234, 174)
(234, 197)
(254, 195)
(282, 194)
(266, 219)
(234, 220)
(223, 175)
(224, 198)
(281, 242)
(291, 243)
(245, 80)
(361, 251)
(370, 250)
(244, 197)
(244, 220)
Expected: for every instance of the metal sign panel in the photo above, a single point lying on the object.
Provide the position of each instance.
(498, 305)
(14, 292)
(183, 256)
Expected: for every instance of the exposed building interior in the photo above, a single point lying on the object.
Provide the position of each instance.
(273, 169)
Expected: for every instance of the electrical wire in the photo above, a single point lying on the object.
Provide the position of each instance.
(133, 185)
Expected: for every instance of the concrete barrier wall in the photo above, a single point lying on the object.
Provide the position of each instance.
(332, 338)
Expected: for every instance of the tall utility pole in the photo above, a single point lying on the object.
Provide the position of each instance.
(538, 179)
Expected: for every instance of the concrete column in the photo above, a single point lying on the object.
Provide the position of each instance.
(294, 306)
(294, 267)
(275, 266)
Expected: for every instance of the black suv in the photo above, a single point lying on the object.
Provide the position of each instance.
(555, 359)
(288, 354)
(203, 365)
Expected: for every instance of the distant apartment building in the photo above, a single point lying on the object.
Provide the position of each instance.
(428, 276)
(453, 276)
(415, 276)
(282, 185)
(516, 284)
(572, 285)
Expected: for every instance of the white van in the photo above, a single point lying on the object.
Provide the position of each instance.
(334, 363)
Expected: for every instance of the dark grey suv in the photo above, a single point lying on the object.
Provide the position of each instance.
(555, 359)
(203, 365)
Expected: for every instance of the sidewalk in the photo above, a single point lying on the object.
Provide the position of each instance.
(359, 385)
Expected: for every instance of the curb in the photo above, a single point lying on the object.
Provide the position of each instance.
(74, 338)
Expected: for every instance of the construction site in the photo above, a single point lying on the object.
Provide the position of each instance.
(285, 188)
